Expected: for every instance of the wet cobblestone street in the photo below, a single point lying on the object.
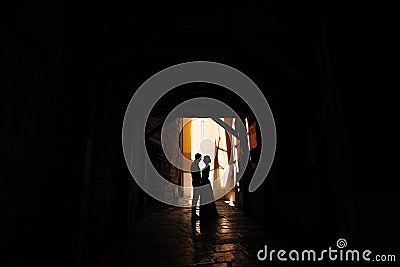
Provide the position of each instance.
(169, 238)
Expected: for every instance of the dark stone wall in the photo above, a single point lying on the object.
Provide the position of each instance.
(43, 136)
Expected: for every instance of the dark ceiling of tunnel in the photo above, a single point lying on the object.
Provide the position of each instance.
(185, 92)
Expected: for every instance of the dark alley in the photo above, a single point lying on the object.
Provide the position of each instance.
(68, 73)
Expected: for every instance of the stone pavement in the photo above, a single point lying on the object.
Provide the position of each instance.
(169, 238)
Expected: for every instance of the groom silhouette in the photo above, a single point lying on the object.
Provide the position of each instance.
(196, 181)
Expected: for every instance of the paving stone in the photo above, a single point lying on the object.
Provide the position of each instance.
(196, 250)
(149, 262)
(194, 259)
(228, 247)
(215, 265)
(228, 256)
(250, 263)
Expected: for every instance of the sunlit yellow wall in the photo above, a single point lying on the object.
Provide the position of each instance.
(187, 147)
(187, 152)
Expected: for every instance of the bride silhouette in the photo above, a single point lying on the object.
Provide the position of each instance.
(207, 211)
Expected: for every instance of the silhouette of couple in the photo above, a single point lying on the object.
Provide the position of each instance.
(202, 189)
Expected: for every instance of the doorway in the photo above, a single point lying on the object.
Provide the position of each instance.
(207, 137)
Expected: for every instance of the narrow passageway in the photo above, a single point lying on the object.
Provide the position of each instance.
(169, 238)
